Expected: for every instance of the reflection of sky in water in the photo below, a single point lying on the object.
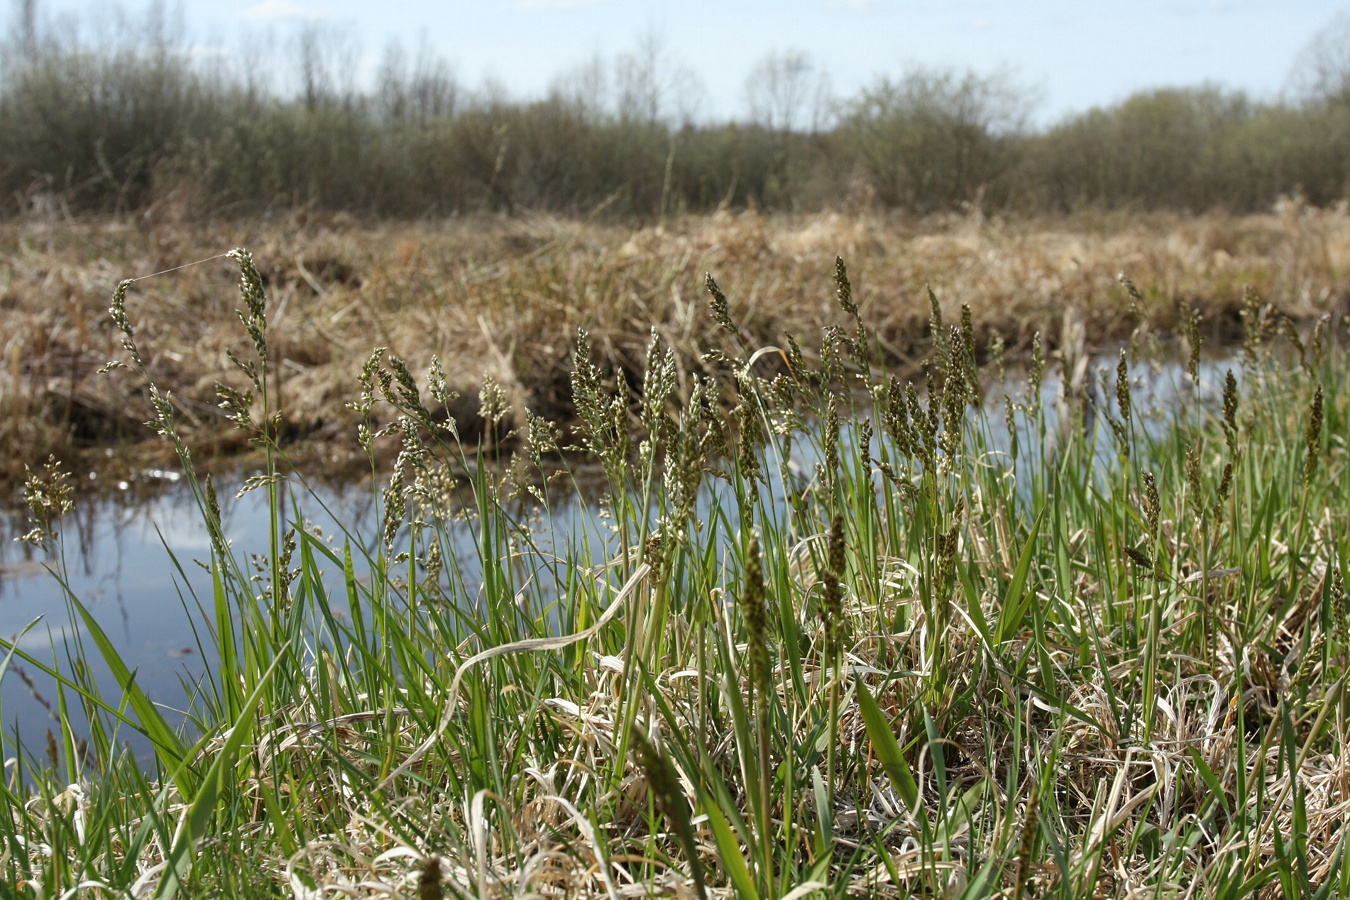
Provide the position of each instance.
(119, 567)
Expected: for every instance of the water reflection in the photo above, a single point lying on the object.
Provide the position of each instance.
(117, 562)
(118, 545)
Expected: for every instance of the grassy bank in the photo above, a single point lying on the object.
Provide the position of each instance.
(856, 637)
(504, 297)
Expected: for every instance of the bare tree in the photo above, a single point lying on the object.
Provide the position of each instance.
(653, 87)
(27, 37)
(785, 91)
(424, 90)
(326, 60)
(584, 88)
(1321, 74)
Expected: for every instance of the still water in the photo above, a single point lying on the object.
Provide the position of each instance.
(117, 561)
(117, 549)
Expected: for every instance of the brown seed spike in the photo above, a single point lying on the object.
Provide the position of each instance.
(844, 287)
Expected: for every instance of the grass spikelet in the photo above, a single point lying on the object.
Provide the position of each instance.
(1136, 296)
(1312, 436)
(1152, 505)
(254, 314)
(938, 331)
(1036, 372)
(1230, 409)
(756, 613)
(718, 306)
(1123, 386)
(49, 497)
(1253, 327)
(844, 288)
(429, 880)
(1225, 488)
(1121, 429)
(1190, 323)
(1194, 489)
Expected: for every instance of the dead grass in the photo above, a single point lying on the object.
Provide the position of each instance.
(504, 298)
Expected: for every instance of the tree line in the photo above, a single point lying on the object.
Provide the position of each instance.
(131, 124)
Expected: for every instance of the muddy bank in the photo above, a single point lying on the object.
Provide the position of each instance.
(503, 299)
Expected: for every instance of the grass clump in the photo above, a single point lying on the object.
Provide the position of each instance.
(865, 638)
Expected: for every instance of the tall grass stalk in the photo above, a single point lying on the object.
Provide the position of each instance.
(824, 632)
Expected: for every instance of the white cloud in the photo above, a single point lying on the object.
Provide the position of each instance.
(273, 10)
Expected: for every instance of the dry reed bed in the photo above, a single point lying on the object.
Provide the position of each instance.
(504, 299)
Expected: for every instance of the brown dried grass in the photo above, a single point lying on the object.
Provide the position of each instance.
(504, 298)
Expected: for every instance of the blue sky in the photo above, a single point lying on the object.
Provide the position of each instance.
(1072, 55)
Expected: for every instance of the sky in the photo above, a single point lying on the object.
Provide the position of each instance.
(1068, 55)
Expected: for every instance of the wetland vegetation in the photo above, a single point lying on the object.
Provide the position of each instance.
(796, 579)
(913, 658)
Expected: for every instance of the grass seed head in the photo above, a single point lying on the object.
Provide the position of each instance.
(717, 304)
(1312, 435)
(832, 441)
(1152, 505)
(429, 880)
(254, 314)
(844, 289)
(1225, 487)
(1253, 326)
(1037, 372)
(756, 613)
(1195, 492)
(1123, 386)
(998, 350)
(1136, 296)
(1317, 344)
(941, 340)
(493, 404)
(1230, 408)
(832, 606)
(1139, 558)
(1190, 323)
(49, 496)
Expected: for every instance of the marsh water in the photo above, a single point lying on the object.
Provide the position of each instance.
(130, 551)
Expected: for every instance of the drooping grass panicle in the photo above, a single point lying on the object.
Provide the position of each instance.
(1132, 291)
(49, 497)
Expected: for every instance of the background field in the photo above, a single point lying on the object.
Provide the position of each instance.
(504, 297)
